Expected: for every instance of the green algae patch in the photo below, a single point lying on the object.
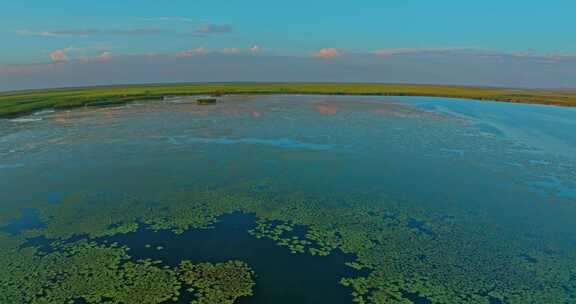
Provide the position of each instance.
(459, 258)
(83, 271)
(221, 283)
(277, 232)
(93, 273)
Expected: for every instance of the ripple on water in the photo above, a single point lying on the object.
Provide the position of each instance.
(25, 120)
(280, 142)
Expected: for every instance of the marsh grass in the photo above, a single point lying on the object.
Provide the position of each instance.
(25, 102)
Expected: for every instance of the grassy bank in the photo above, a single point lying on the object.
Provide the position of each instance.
(25, 102)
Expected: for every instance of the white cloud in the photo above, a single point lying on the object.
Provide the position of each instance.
(193, 52)
(327, 53)
(59, 55)
(256, 49)
(214, 29)
(170, 18)
(403, 51)
(477, 53)
(32, 33)
(93, 32)
(95, 53)
(231, 50)
(102, 57)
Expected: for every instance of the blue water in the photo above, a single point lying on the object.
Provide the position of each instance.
(28, 220)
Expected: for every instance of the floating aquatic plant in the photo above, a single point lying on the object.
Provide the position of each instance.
(220, 283)
(461, 258)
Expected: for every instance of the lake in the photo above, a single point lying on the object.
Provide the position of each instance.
(324, 198)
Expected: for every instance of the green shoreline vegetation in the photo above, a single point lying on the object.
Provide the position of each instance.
(17, 103)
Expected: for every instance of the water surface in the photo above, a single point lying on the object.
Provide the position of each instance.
(434, 163)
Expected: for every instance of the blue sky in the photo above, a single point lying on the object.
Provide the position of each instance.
(35, 32)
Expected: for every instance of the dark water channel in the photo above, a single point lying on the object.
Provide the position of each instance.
(282, 277)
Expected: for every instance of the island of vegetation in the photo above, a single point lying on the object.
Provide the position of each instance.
(206, 101)
(221, 283)
(18, 103)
